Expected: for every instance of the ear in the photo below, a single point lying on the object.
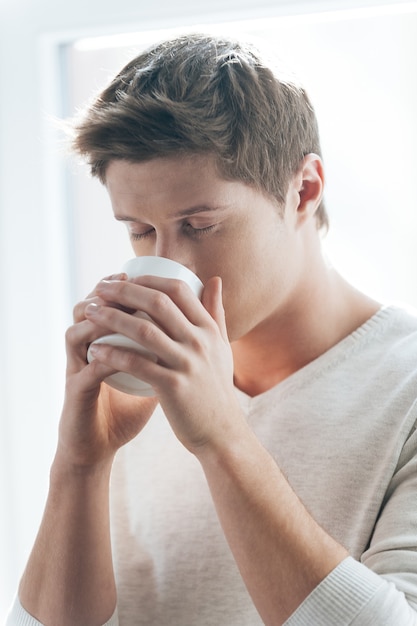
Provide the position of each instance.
(309, 185)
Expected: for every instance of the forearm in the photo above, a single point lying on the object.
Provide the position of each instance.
(281, 552)
(69, 576)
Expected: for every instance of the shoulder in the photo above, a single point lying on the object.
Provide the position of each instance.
(393, 328)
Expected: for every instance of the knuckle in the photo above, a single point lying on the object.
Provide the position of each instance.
(77, 311)
(147, 332)
(129, 359)
(70, 334)
(198, 345)
(119, 288)
(177, 288)
(160, 300)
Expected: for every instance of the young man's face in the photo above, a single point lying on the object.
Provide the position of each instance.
(181, 209)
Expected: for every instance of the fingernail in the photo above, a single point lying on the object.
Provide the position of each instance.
(93, 349)
(92, 308)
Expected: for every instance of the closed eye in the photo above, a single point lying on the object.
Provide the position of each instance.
(141, 236)
(189, 230)
(192, 231)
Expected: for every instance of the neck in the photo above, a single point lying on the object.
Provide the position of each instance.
(291, 339)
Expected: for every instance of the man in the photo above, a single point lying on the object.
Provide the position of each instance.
(273, 479)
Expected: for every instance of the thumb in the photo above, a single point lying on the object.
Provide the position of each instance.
(213, 303)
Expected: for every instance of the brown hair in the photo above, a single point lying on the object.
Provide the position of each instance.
(199, 94)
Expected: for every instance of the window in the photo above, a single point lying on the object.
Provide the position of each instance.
(359, 68)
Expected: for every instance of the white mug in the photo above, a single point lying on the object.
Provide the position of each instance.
(144, 266)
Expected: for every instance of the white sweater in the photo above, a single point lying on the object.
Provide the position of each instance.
(343, 430)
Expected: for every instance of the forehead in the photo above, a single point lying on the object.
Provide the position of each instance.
(164, 169)
(174, 183)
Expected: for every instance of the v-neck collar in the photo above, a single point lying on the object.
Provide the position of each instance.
(332, 357)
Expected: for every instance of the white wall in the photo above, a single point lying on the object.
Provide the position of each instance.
(35, 287)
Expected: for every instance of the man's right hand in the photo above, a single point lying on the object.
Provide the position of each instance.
(69, 576)
(96, 419)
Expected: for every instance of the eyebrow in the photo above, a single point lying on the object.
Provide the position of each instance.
(185, 213)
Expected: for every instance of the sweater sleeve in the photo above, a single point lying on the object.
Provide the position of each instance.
(19, 617)
(353, 595)
(382, 588)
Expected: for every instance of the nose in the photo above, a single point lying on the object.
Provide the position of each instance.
(175, 250)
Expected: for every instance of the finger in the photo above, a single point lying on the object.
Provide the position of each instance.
(140, 330)
(115, 277)
(78, 310)
(156, 296)
(95, 373)
(213, 302)
(77, 339)
(132, 362)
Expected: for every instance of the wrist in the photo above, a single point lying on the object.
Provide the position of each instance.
(230, 445)
(65, 468)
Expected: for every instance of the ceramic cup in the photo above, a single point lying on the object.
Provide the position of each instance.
(145, 266)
